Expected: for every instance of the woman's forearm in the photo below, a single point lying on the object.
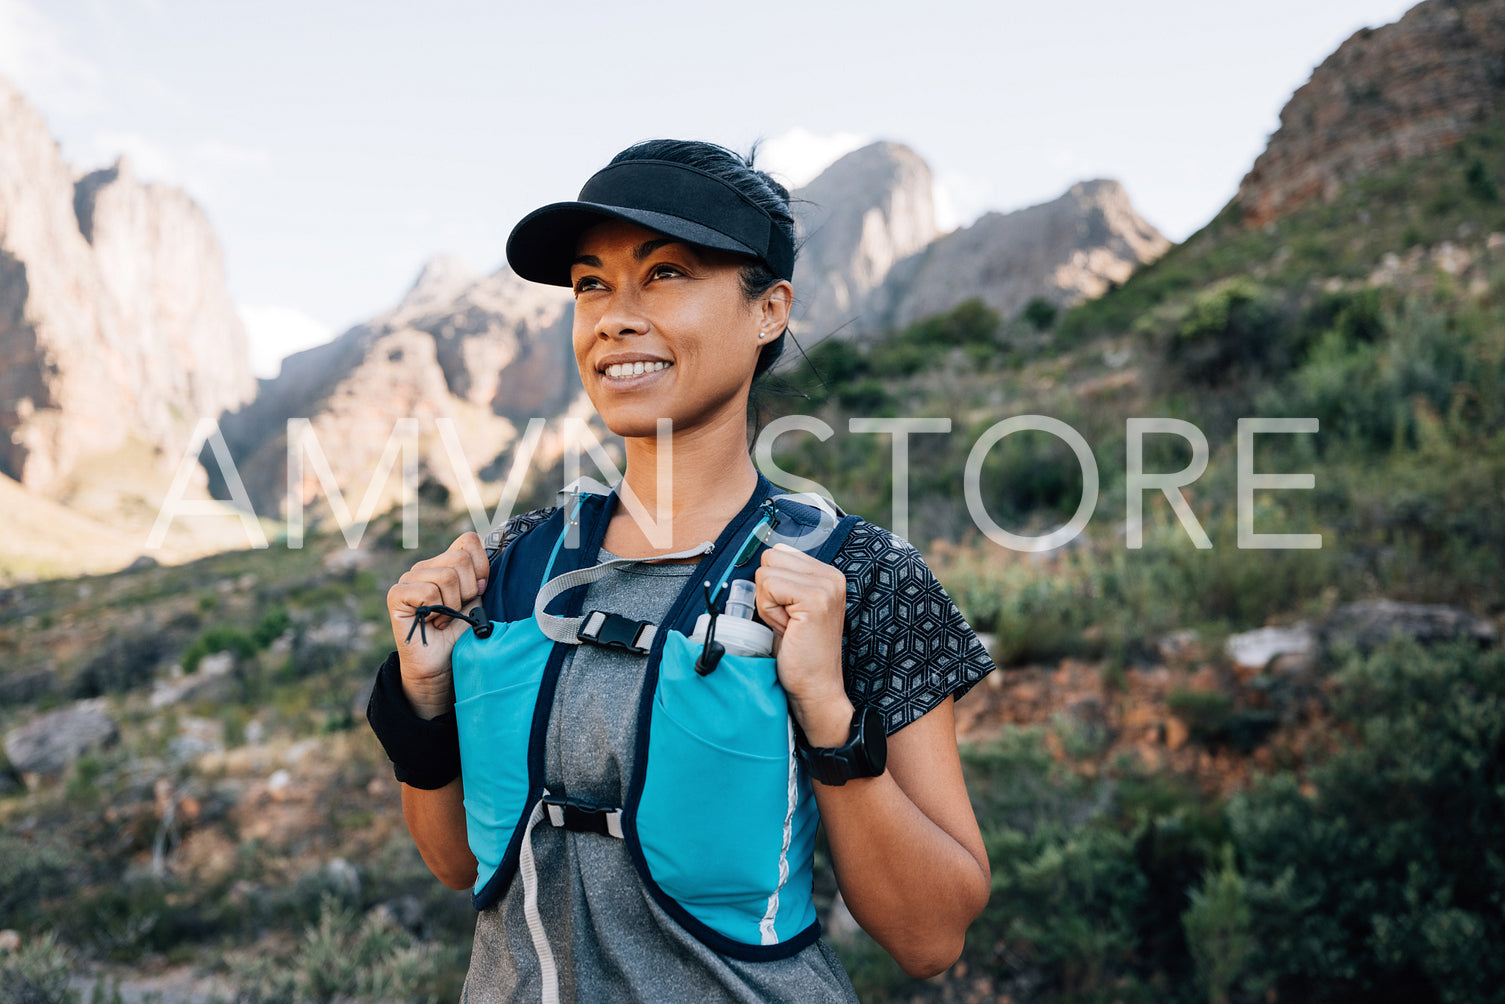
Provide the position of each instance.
(908, 882)
(906, 849)
(436, 820)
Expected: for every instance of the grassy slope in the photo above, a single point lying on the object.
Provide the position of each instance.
(1343, 311)
(1233, 322)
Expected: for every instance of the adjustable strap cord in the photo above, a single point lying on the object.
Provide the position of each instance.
(476, 619)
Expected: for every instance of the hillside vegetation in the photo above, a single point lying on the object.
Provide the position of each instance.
(1358, 859)
(1164, 824)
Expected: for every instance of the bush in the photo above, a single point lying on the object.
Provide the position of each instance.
(1068, 903)
(1218, 933)
(1082, 899)
(238, 641)
(30, 874)
(1386, 879)
(37, 974)
(344, 957)
(1223, 335)
(1040, 313)
(1212, 720)
(122, 664)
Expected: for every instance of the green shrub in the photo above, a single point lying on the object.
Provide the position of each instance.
(1040, 313)
(1205, 712)
(37, 974)
(31, 872)
(344, 957)
(970, 322)
(1224, 334)
(273, 624)
(1481, 184)
(219, 639)
(122, 664)
(238, 641)
(1386, 879)
(1067, 906)
(1218, 930)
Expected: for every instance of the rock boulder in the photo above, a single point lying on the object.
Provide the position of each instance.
(45, 746)
(1370, 623)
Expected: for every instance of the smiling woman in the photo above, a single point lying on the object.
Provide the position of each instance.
(632, 801)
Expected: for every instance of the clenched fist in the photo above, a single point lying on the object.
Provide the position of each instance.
(454, 579)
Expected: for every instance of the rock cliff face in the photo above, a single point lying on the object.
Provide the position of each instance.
(484, 352)
(1387, 94)
(857, 219)
(1066, 250)
(872, 256)
(114, 318)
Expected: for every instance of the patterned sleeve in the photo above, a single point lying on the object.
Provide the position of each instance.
(502, 534)
(906, 646)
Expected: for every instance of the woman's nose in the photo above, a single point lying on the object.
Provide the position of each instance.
(623, 315)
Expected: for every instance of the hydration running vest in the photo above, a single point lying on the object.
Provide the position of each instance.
(719, 818)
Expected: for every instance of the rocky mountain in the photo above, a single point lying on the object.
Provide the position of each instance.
(491, 352)
(872, 256)
(485, 352)
(117, 334)
(1387, 94)
(115, 323)
(1067, 250)
(868, 211)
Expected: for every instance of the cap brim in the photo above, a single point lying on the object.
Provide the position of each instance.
(543, 244)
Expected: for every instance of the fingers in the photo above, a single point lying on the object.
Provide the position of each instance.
(452, 579)
(470, 545)
(791, 583)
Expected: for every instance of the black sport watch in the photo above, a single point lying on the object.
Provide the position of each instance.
(864, 754)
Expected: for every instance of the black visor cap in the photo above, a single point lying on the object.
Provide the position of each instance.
(672, 199)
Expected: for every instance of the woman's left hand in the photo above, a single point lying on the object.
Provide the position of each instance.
(804, 601)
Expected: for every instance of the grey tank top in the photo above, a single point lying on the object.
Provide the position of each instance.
(609, 940)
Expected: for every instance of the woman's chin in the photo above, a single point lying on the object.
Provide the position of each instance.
(632, 422)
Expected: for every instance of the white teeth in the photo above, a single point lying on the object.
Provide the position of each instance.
(634, 369)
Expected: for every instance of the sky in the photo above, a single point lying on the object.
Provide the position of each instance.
(336, 146)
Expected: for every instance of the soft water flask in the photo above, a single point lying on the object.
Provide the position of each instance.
(735, 629)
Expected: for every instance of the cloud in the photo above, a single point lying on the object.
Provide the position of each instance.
(37, 60)
(798, 155)
(277, 332)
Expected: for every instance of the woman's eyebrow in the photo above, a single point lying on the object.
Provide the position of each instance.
(646, 248)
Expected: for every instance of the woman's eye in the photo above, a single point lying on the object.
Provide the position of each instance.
(586, 284)
(665, 271)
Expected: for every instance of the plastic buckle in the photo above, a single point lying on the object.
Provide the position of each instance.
(616, 631)
(583, 816)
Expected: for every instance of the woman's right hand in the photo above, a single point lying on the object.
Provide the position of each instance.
(453, 579)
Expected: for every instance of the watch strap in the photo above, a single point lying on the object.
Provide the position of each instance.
(863, 754)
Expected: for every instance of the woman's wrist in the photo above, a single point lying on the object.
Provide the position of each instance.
(429, 699)
(826, 721)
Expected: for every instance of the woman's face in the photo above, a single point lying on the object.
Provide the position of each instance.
(663, 330)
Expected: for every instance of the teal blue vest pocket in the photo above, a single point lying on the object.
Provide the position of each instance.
(496, 689)
(726, 822)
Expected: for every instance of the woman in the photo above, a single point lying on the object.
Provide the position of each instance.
(628, 810)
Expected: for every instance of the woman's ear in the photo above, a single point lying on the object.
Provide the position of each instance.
(775, 306)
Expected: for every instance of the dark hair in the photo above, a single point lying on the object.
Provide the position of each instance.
(758, 186)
